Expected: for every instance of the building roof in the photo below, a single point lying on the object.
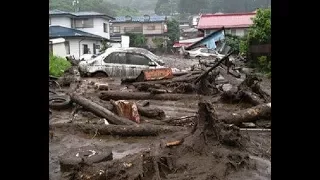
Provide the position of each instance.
(227, 20)
(57, 12)
(141, 19)
(59, 31)
(216, 36)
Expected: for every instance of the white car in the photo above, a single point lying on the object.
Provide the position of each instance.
(202, 52)
(86, 57)
(120, 62)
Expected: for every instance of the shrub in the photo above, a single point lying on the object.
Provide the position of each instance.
(57, 65)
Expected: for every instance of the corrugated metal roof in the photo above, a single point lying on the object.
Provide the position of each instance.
(139, 19)
(59, 31)
(227, 20)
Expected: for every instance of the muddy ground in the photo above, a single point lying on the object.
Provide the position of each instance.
(253, 161)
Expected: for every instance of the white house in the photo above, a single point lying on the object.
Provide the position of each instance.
(91, 22)
(75, 42)
(82, 32)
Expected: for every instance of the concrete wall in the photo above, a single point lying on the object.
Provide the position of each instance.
(59, 49)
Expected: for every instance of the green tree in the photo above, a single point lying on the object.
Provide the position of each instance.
(259, 33)
(173, 31)
(193, 6)
(136, 39)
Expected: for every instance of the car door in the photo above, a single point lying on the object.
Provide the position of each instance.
(113, 64)
(137, 63)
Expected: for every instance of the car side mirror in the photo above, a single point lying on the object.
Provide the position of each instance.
(152, 63)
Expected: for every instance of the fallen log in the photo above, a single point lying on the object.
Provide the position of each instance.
(116, 95)
(120, 130)
(247, 115)
(143, 103)
(151, 112)
(143, 111)
(100, 111)
(185, 78)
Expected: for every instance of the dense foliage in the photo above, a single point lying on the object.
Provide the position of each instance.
(173, 31)
(57, 65)
(137, 40)
(259, 33)
(93, 5)
(208, 6)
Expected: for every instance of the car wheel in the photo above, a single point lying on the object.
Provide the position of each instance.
(99, 74)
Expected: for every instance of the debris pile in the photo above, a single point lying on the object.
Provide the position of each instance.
(211, 136)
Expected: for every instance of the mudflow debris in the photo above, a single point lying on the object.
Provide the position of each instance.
(207, 122)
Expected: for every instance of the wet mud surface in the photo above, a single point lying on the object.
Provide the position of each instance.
(138, 157)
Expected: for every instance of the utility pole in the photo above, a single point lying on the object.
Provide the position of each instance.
(76, 6)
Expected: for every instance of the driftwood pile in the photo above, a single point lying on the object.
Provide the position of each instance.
(191, 86)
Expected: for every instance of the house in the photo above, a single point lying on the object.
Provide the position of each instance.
(234, 23)
(66, 41)
(90, 22)
(150, 26)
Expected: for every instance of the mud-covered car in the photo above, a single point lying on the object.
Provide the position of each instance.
(120, 62)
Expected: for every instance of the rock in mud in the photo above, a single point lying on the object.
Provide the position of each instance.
(77, 157)
(226, 87)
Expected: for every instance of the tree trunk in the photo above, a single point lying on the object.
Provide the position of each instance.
(100, 111)
(116, 95)
(151, 112)
(143, 111)
(120, 130)
(184, 78)
(247, 115)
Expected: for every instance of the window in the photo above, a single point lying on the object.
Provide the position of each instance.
(116, 29)
(233, 31)
(133, 29)
(137, 59)
(67, 46)
(85, 49)
(151, 27)
(83, 23)
(117, 58)
(97, 46)
(105, 28)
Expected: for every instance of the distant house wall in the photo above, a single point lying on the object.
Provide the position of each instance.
(98, 28)
(234, 31)
(60, 21)
(153, 28)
